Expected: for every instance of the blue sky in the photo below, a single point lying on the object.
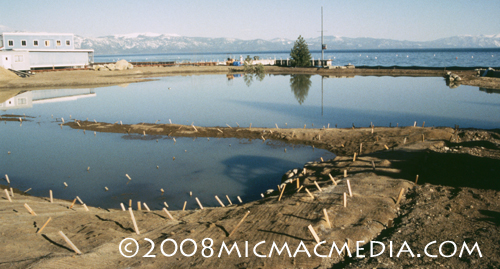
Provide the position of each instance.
(419, 20)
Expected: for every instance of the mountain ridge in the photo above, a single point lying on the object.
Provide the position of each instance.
(143, 43)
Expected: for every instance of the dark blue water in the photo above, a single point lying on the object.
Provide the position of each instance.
(425, 58)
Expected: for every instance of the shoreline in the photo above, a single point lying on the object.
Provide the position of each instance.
(458, 184)
(444, 190)
(90, 78)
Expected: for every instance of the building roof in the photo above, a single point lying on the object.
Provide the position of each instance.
(34, 33)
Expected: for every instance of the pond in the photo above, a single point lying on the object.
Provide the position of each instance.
(43, 155)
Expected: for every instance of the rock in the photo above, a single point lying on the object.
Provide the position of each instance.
(123, 65)
(110, 67)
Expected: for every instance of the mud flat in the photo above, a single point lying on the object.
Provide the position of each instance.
(90, 78)
(456, 198)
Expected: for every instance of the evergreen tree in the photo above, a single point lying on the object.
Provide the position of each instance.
(300, 55)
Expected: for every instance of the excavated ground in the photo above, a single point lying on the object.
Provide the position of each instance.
(456, 198)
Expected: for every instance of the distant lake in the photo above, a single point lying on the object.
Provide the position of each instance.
(393, 57)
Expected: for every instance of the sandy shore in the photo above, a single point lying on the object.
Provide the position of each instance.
(90, 78)
(457, 197)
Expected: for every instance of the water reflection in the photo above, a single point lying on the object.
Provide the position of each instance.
(248, 78)
(497, 91)
(300, 85)
(27, 99)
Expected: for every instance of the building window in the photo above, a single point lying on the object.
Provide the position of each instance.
(11, 43)
(23, 43)
(58, 43)
(35, 43)
(21, 101)
(68, 43)
(18, 58)
(47, 43)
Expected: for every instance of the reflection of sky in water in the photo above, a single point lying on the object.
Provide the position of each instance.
(44, 156)
(213, 100)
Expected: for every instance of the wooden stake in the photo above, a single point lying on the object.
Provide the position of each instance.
(298, 182)
(7, 176)
(317, 186)
(79, 200)
(276, 125)
(262, 195)
(416, 180)
(123, 207)
(133, 220)
(300, 188)
(308, 192)
(75, 249)
(196, 130)
(250, 126)
(349, 187)
(333, 180)
(146, 206)
(72, 204)
(345, 199)
(198, 201)
(168, 213)
(7, 194)
(218, 200)
(282, 191)
(239, 199)
(354, 158)
(321, 158)
(47, 222)
(311, 229)
(360, 148)
(345, 173)
(86, 208)
(239, 223)
(139, 205)
(184, 207)
(29, 209)
(386, 147)
(326, 218)
(65, 184)
(279, 188)
(423, 139)
(230, 203)
(400, 195)
(12, 192)
(166, 205)
(423, 124)
(27, 190)
(130, 203)
(128, 177)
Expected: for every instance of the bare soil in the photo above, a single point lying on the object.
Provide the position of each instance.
(456, 198)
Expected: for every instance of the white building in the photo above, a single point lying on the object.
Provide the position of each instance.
(25, 51)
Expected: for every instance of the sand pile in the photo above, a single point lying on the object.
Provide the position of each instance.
(6, 75)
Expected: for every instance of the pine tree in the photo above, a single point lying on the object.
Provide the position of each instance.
(300, 55)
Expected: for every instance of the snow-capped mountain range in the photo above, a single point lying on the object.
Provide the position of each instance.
(172, 43)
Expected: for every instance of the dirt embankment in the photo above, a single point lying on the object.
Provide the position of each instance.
(456, 198)
(90, 78)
